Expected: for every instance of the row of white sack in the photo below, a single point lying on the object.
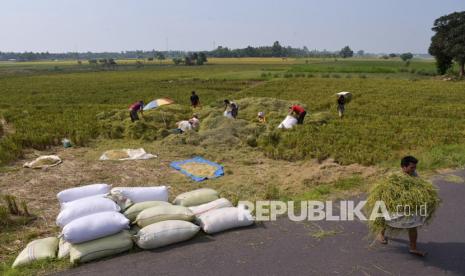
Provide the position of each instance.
(102, 224)
(134, 194)
(154, 235)
(95, 203)
(137, 194)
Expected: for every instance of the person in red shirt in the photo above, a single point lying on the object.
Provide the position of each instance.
(299, 111)
(134, 108)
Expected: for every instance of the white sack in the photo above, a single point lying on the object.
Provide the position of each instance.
(288, 122)
(165, 233)
(83, 207)
(63, 249)
(83, 191)
(94, 226)
(141, 194)
(347, 96)
(215, 204)
(225, 218)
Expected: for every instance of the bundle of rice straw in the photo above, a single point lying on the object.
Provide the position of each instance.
(401, 190)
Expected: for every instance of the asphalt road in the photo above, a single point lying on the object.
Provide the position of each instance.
(285, 247)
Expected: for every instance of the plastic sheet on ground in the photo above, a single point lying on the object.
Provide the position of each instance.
(44, 161)
(198, 168)
(126, 154)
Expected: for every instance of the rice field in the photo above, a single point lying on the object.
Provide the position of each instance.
(395, 110)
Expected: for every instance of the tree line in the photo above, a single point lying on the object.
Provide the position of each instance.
(275, 50)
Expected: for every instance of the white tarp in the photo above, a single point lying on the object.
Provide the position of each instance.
(44, 161)
(288, 122)
(132, 154)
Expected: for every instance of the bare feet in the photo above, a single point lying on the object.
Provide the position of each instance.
(418, 253)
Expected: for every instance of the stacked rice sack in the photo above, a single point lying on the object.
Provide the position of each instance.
(92, 225)
(95, 221)
(212, 213)
(160, 223)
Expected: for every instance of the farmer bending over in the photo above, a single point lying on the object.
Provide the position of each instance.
(299, 111)
(194, 121)
(134, 108)
(341, 101)
(409, 167)
(231, 109)
(195, 100)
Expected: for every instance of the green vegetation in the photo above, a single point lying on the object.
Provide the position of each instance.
(447, 43)
(389, 116)
(396, 110)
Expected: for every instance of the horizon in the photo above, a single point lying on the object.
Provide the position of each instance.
(118, 26)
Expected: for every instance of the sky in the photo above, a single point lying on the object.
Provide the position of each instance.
(376, 26)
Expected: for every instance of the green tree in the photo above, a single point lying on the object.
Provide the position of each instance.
(406, 57)
(277, 49)
(448, 42)
(160, 57)
(346, 52)
(203, 57)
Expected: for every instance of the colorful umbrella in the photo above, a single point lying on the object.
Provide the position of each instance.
(158, 102)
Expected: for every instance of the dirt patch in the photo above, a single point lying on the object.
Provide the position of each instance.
(248, 173)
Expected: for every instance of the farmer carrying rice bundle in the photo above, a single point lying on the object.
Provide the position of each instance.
(409, 200)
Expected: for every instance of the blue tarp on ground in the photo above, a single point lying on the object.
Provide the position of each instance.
(177, 165)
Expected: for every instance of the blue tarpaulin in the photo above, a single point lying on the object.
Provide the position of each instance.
(177, 165)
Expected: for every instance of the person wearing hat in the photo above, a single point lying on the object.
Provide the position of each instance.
(261, 117)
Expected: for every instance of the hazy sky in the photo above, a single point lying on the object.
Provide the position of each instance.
(116, 25)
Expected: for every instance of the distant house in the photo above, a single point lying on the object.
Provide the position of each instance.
(12, 59)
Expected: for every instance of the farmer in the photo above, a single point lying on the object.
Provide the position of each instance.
(134, 108)
(299, 111)
(187, 125)
(194, 121)
(261, 117)
(341, 101)
(195, 100)
(409, 167)
(231, 109)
